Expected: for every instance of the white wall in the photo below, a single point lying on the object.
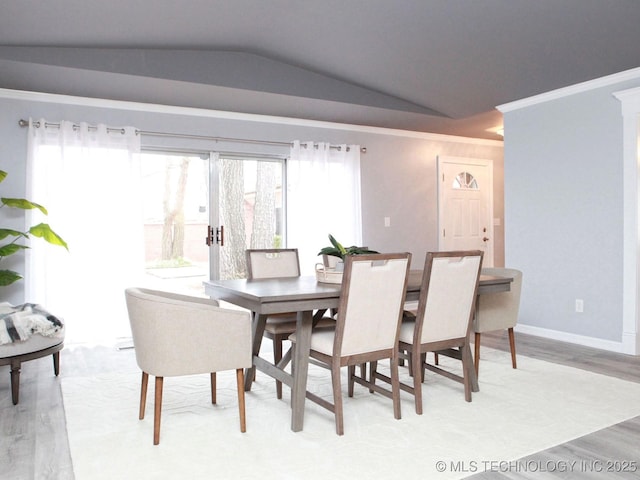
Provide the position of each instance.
(398, 170)
(564, 211)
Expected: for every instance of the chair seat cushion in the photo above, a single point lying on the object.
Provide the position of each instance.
(321, 341)
(406, 333)
(33, 344)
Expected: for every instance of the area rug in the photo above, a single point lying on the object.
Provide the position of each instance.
(516, 413)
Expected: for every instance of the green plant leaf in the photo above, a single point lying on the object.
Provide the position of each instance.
(3, 175)
(353, 250)
(337, 244)
(330, 251)
(10, 249)
(7, 277)
(7, 232)
(338, 250)
(23, 204)
(43, 230)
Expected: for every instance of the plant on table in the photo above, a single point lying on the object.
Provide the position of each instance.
(337, 250)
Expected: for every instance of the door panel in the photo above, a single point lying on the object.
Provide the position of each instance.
(176, 215)
(250, 208)
(465, 196)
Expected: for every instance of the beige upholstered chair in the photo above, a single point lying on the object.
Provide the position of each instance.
(176, 335)
(369, 315)
(498, 311)
(443, 320)
(272, 263)
(277, 263)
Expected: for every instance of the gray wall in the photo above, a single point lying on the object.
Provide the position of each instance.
(564, 211)
(398, 170)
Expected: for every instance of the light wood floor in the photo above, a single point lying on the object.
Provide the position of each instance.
(34, 442)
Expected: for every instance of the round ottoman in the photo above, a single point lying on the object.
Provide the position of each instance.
(36, 346)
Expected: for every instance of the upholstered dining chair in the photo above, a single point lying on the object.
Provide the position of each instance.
(369, 314)
(175, 335)
(277, 263)
(443, 320)
(498, 311)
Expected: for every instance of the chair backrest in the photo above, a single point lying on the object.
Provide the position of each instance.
(371, 302)
(497, 311)
(448, 295)
(272, 263)
(177, 334)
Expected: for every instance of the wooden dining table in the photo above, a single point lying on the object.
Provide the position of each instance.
(304, 295)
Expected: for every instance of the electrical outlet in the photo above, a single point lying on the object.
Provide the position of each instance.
(579, 305)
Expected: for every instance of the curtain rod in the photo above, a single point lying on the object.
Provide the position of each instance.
(25, 123)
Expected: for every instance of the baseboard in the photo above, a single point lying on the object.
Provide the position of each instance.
(618, 347)
(631, 343)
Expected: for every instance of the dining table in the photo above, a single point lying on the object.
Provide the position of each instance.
(310, 299)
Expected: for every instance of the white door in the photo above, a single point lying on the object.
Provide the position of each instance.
(465, 200)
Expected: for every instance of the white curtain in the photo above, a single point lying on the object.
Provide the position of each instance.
(88, 178)
(323, 198)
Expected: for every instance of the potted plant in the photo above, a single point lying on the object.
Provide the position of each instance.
(337, 250)
(18, 238)
(331, 272)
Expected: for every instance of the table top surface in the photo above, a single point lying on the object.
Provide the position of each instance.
(307, 287)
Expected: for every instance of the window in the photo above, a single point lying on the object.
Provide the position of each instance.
(465, 181)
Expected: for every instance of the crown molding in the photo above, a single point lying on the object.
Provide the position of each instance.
(626, 75)
(248, 117)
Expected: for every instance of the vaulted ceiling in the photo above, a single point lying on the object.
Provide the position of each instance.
(438, 66)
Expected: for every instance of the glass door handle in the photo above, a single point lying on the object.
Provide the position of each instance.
(216, 235)
(220, 235)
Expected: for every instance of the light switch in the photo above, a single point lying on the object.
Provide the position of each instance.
(387, 221)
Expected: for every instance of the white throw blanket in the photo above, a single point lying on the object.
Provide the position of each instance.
(19, 322)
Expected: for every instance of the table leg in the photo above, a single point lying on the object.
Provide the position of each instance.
(301, 367)
(257, 331)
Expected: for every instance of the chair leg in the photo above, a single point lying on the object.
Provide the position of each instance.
(56, 363)
(157, 411)
(512, 344)
(213, 387)
(351, 371)
(143, 394)
(241, 406)
(476, 351)
(277, 356)
(416, 367)
(410, 362)
(436, 358)
(337, 398)
(373, 370)
(467, 368)
(395, 388)
(15, 382)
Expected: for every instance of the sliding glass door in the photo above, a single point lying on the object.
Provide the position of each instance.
(176, 216)
(247, 210)
(202, 211)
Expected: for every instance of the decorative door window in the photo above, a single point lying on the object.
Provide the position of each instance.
(465, 181)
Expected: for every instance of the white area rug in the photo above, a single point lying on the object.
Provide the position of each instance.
(516, 413)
